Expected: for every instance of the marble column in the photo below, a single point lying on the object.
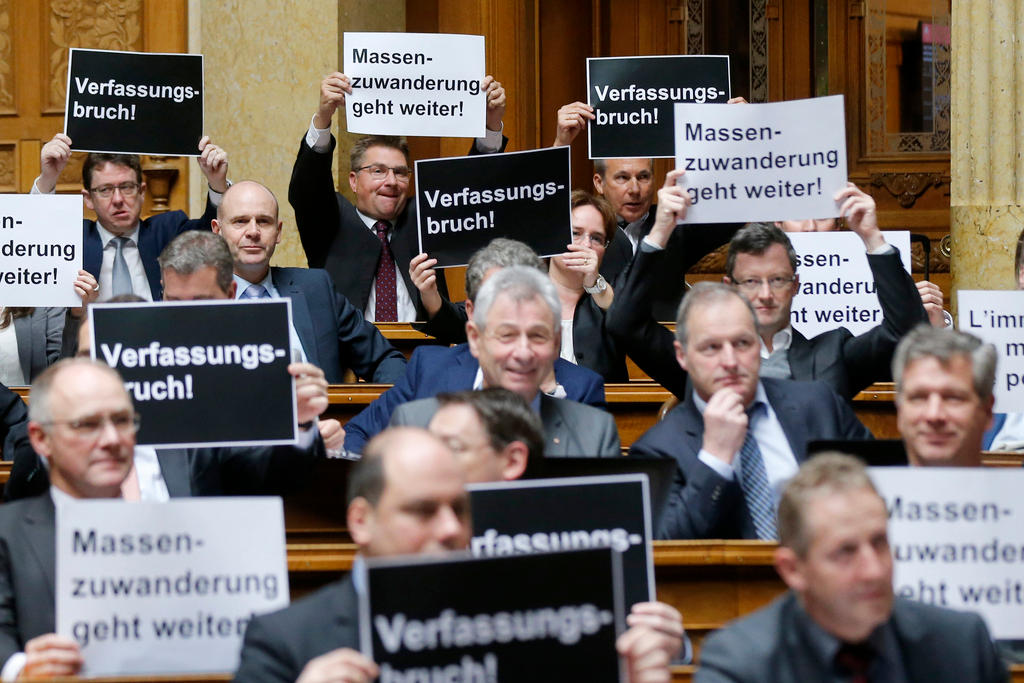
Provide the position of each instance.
(987, 150)
(264, 62)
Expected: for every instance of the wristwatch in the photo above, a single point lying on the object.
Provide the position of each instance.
(598, 287)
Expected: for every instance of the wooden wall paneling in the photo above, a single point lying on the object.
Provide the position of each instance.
(565, 40)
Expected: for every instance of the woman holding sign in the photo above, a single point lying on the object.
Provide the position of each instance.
(584, 294)
(32, 339)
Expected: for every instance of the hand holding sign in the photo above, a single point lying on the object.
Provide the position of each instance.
(673, 201)
(52, 160)
(343, 664)
(310, 391)
(213, 162)
(495, 102)
(859, 209)
(572, 119)
(50, 656)
(87, 289)
(931, 298)
(333, 89)
(421, 272)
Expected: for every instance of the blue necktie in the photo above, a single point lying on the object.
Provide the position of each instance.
(754, 482)
(255, 292)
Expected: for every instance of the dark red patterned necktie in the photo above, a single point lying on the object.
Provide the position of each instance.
(855, 660)
(386, 303)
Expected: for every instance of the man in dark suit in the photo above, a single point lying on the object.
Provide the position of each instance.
(119, 250)
(82, 421)
(12, 414)
(522, 360)
(736, 438)
(406, 496)
(166, 473)
(367, 247)
(330, 332)
(840, 621)
(762, 266)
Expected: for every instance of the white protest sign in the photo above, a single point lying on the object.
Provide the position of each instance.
(998, 318)
(837, 288)
(415, 84)
(957, 539)
(40, 249)
(167, 588)
(762, 162)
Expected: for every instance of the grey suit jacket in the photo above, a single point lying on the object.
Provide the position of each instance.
(570, 428)
(278, 645)
(769, 646)
(39, 340)
(28, 547)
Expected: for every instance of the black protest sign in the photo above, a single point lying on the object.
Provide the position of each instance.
(465, 202)
(548, 617)
(544, 515)
(134, 102)
(633, 100)
(202, 373)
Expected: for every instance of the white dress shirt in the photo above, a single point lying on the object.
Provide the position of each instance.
(241, 284)
(11, 374)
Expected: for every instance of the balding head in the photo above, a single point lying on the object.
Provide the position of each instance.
(407, 496)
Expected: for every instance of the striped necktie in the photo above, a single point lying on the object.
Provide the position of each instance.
(754, 482)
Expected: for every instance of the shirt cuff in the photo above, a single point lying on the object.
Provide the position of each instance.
(216, 197)
(308, 436)
(722, 468)
(13, 666)
(491, 142)
(35, 188)
(884, 249)
(647, 245)
(318, 139)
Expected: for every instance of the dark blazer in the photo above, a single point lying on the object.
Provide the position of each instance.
(28, 547)
(226, 471)
(333, 333)
(936, 644)
(846, 363)
(40, 337)
(703, 504)
(435, 369)
(687, 245)
(13, 415)
(155, 233)
(570, 428)
(592, 345)
(335, 238)
(278, 645)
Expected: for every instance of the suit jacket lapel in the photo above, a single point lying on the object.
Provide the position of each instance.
(556, 435)
(176, 471)
(149, 253)
(789, 416)
(801, 358)
(40, 528)
(92, 249)
(301, 318)
(460, 376)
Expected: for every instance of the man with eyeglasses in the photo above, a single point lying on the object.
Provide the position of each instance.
(119, 250)
(367, 247)
(82, 422)
(762, 266)
(737, 437)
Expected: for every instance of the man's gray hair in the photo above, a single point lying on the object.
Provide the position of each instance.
(499, 253)
(705, 294)
(521, 283)
(601, 166)
(925, 341)
(827, 473)
(39, 408)
(194, 250)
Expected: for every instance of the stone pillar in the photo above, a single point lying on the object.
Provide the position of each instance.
(987, 150)
(264, 62)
